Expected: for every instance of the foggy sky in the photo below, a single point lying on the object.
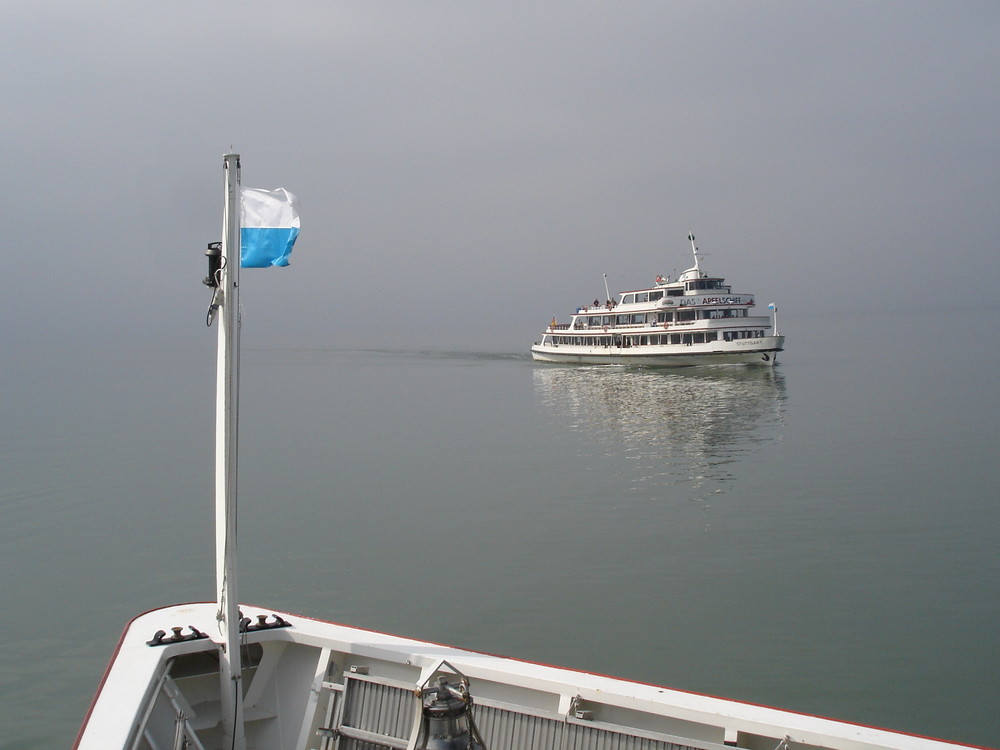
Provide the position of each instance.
(468, 169)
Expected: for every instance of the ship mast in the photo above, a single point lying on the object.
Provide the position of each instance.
(226, 425)
(694, 250)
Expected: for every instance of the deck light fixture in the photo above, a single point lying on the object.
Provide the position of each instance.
(447, 722)
(214, 255)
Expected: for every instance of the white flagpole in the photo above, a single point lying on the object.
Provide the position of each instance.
(226, 426)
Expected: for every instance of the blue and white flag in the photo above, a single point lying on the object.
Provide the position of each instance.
(269, 226)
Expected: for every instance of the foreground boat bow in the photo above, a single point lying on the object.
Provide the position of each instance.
(315, 684)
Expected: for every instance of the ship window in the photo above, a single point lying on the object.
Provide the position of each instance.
(622, 320)
(713, 336)
(675, 292)
(628, 298)
(638, 318)
(699, 338)
(653, 296)
(642, 297)
(675, 338)
(607, 320)
(685, 315)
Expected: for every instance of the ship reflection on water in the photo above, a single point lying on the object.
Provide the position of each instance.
(674, 427)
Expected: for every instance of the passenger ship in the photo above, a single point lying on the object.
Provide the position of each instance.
(695, 320)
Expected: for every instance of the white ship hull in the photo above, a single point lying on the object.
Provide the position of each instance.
(320, 685)
(763, 351)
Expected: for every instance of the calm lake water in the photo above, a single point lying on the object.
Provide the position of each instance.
(823, 536)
